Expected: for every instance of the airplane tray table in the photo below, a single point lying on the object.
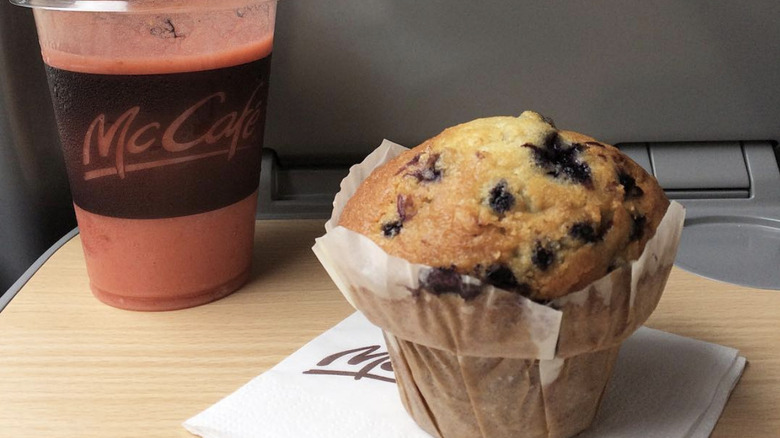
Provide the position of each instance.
(71, 366)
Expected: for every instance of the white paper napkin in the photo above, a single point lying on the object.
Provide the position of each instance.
(340, 385)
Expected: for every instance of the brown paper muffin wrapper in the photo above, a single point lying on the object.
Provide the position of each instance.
(499, 364)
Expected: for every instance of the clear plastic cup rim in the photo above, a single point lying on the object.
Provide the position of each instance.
(129, 6)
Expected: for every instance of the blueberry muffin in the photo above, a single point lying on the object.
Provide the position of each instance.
(550, 215)
(512, 201)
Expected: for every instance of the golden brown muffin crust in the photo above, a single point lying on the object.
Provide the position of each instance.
(512, 201)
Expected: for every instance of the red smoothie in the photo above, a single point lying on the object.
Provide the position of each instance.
(158, 232)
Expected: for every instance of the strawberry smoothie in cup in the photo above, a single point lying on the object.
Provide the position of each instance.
(161, 108)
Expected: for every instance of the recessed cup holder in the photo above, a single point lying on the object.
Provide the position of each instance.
(737, 249)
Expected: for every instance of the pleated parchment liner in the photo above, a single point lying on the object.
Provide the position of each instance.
(498, 365)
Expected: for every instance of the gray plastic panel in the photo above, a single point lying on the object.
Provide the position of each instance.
(302, 192)
(691, 166)
(639, 153)
(738, 240)
(348, 73)
(736, 249)
(707, 194)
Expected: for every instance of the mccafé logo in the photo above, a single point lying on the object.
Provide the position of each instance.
(125, 137)
(359, 363)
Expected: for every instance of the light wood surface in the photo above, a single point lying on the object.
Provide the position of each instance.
(73, 367)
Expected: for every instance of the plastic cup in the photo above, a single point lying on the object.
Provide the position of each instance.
(160, 106)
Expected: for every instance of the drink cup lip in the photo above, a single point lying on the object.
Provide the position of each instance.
(130, 6)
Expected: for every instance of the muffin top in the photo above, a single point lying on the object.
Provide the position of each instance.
(513, 202)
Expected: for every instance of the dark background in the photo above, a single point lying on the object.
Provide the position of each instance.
(348, 73)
